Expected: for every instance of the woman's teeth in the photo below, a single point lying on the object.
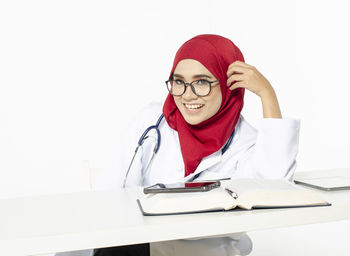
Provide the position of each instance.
(193, 106)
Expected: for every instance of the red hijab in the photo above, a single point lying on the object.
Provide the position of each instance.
(216, 53)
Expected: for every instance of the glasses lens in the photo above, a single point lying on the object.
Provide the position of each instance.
(175, 87)
(202, 87)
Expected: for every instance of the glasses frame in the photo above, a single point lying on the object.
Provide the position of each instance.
(192, 87)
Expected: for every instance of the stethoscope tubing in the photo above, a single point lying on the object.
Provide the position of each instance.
(156, 127)
(140, 142)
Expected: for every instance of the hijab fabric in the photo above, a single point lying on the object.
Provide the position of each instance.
(216, 53)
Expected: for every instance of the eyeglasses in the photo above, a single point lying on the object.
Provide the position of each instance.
(200, 88)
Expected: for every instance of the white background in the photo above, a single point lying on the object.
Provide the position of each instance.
(73, 73)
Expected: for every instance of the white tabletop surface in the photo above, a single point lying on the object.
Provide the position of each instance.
(75, 221)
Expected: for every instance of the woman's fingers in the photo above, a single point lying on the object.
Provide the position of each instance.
(240, 67)
(241, 64)
(235, 69)
(236, 85)
(236, 74)
(235, 78)
(246, 76)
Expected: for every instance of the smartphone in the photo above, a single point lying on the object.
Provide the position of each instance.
(182, 187)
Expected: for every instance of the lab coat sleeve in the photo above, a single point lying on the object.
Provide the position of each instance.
(272, 154)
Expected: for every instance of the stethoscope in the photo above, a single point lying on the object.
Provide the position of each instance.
(144, 136)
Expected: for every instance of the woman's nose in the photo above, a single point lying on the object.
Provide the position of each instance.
(188, 94)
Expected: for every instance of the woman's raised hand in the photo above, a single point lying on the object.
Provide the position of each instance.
(248, 77)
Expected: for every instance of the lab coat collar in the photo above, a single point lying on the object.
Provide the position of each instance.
(206, 163)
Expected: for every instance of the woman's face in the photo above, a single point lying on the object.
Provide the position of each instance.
(193, 108)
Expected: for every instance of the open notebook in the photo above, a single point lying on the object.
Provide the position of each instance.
(238, 193)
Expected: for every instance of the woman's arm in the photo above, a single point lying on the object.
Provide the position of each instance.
(247, 76)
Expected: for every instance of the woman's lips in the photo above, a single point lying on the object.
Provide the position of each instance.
(193, 108)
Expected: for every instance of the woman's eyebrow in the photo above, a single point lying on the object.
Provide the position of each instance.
(195, 76)
(201, 75)
(176, 75)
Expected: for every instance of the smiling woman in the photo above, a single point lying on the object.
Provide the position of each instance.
(205, 137)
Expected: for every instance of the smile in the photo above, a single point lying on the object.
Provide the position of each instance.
(193, 106)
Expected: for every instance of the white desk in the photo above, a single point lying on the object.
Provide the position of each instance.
(53, 223)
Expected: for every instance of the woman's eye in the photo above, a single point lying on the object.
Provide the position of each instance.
(178, 82)
(202, 82)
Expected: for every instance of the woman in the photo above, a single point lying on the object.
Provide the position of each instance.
(204, 137)
(202, 111)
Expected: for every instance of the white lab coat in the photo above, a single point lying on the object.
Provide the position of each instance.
(268, 152)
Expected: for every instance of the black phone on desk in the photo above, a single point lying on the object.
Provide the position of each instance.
(182, 187)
